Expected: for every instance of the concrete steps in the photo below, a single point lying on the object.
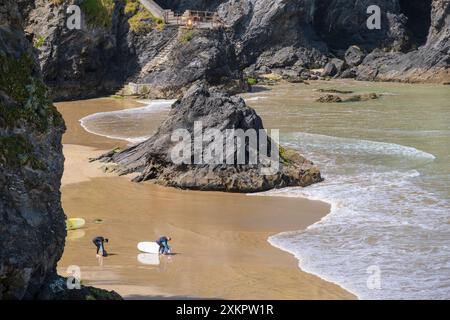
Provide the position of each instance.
(161, 57)
(153, 7)
(167, 15)
(131, 88)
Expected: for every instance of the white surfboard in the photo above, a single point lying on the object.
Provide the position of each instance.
(148, 258)
(148, 247)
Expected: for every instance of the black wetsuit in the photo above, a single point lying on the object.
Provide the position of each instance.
(163, 245)
(99, 243)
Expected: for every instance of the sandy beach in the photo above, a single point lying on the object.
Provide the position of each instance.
(220, 240)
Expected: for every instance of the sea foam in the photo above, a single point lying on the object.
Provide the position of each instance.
(381, 216)
(103, 123)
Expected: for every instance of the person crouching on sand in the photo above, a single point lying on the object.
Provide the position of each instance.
(163, 244)
(100, 244)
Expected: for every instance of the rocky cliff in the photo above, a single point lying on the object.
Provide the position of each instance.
(216, 112)
(205, 56)
(429, 61)
(412, 44)
(32, 222)
(81, 63)
(261, 36)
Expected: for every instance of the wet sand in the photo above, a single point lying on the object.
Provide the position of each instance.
(220, 240)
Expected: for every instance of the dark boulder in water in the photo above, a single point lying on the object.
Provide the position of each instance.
(329, 98)
(153, 159)
(332, 98)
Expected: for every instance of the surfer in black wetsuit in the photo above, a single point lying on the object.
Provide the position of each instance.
(100, 244)
(163, 245)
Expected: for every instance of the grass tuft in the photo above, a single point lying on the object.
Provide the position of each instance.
(141, 20)
(99, 12)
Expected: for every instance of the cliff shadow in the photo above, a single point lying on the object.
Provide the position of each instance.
(418, 25)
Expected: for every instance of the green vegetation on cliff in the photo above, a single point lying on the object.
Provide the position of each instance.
(99, 12)
(251, 81)
(15, 150)
(131, 7)
(23, 102)
(39, 42)
(186, 36)
(289, 156)
(141, 20)
(30, 101)
(57, 2)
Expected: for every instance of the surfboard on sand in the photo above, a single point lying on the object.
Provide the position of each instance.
(148, 247)
(75, 223)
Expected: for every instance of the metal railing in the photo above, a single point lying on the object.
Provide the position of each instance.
(193, 19)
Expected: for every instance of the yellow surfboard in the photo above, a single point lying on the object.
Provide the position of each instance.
(75, 223)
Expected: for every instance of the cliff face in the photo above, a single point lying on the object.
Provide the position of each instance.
(206, 56)
(32, 228)
(412, 44)
(429, 63)
(261, 35)
(261, 26)
(82, 63)
(32, 222)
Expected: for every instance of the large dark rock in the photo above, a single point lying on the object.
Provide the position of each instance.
(342, 23)
(270, 26)
(270, 33)
(84, 63)
(56, 289)
(330, 70)
(32, 228)
(354, 56)
(153, 160)
(297, 58)
(429, 63)
(32, 222)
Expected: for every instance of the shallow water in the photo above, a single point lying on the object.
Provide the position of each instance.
(131, 125)
(386, 169)
(386, 165)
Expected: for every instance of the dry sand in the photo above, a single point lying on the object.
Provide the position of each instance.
(219, 240)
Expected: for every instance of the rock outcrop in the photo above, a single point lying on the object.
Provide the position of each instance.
(154, 159)
(411, 46)
(276, 32)
(429, 63)
(332, 98)
(32, 222)
(205, 56)
(84, 63)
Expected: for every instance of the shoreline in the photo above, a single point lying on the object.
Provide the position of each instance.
(81, 179)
